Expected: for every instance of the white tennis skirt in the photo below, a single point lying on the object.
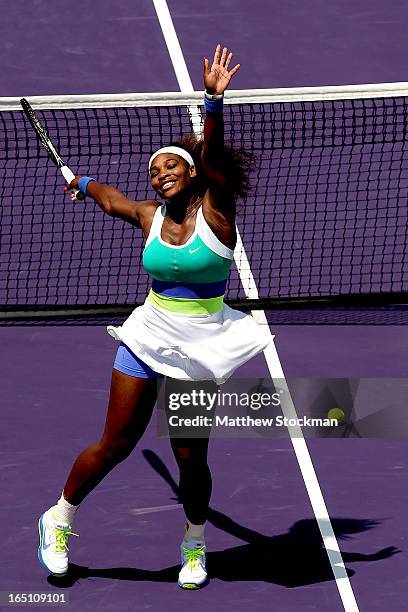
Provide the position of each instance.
(191, 347)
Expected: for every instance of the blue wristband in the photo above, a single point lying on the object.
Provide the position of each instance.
(213, 106)
(83, 183)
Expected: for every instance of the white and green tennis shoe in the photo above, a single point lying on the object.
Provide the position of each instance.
(53, 548)
(193, 573)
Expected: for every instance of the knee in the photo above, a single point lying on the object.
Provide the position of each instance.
(115, 450)
(188, 459)
(190, 462)
(182, 455)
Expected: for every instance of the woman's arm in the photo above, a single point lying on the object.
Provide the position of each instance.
(216, 80)
(114, 203)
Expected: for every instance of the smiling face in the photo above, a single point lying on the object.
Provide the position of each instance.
(170, 175)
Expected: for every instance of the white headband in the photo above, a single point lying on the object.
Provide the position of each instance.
(176, 151)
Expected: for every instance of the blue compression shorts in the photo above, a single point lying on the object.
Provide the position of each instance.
(128, 363)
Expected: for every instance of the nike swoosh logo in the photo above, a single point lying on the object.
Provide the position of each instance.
(44, 544)
(191, 251)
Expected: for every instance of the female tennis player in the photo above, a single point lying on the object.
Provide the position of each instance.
(183, 331)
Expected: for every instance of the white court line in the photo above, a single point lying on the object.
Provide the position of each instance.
(138, 511)
(271, 355)
(177, 59)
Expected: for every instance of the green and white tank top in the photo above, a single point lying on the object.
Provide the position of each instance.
(190, 278)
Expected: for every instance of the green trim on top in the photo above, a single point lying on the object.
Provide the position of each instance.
(186, 305)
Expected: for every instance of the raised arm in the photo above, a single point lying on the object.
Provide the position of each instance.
(216, 80)
(114, 203)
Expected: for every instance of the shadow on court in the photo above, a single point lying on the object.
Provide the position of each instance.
(293, 559)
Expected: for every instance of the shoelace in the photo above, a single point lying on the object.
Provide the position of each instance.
(193, 556)
(61, 539)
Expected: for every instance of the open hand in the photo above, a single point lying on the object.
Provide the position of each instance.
(217, 77)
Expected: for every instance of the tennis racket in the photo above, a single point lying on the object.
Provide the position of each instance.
(49, 147)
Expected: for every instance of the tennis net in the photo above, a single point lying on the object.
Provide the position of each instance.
(326, 221)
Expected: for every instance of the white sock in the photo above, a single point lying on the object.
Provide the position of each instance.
(65, 511)
(194, 532)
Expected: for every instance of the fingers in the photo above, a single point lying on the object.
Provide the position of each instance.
(217, 54)
(71, 193)
(206, 66)
(229, 58)
(234, 70)
(223, 59)
(218, 75)
(74, 183)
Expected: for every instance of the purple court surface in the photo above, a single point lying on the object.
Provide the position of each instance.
(265, 549)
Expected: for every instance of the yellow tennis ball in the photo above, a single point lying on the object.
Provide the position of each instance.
(337, 414)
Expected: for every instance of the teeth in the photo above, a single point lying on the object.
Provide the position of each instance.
(168, 183)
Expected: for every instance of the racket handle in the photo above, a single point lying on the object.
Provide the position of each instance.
(69, 176)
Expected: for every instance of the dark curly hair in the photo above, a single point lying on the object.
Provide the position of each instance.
(236, 165)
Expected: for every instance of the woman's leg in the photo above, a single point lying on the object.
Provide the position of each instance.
(130, 407)
(195, 482)
(195, 477)
(195, 492)
(190, 443)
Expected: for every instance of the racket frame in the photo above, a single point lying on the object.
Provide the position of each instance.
(49, 147)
